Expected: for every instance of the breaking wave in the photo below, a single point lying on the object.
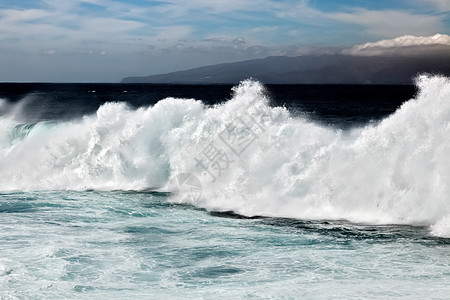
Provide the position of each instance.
(247, 157)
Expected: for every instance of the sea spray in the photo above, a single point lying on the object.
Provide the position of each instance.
(395, 171)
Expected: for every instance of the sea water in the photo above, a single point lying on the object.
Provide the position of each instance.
(237, 196)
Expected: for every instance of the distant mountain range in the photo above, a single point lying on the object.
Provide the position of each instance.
(340, 68)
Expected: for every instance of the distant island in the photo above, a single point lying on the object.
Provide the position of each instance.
(373, 63)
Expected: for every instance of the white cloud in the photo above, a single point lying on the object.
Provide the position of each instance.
(218, 6)
(109, 25)
(440, 5)
(63, 24)
(370, 23)
(172, 33)
(410, 42)
(390, 23)
(48, 51)
(216, 39)
(27, 15)
(301, 11)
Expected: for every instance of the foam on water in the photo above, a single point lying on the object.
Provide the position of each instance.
(250, 158)
(4, 269)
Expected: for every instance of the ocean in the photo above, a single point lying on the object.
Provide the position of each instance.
(142, 191)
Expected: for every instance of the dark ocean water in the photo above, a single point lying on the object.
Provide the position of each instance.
(330, 104)
(285, 191)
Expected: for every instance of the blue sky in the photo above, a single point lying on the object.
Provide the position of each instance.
(105, 40)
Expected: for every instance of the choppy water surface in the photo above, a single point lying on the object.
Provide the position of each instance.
(136, 244)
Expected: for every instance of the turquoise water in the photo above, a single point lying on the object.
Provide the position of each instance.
(255, 199)
(111, 245)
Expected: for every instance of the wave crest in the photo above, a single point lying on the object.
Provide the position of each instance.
(251, 158)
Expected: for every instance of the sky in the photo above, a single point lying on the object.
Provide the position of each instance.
(106, 40)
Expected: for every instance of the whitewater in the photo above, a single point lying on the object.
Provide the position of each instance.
(182, 198)
(396, 171)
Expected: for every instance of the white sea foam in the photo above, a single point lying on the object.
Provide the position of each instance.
(4, 268)
(251, 158)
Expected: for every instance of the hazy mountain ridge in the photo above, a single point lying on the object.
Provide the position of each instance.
(394, 68)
